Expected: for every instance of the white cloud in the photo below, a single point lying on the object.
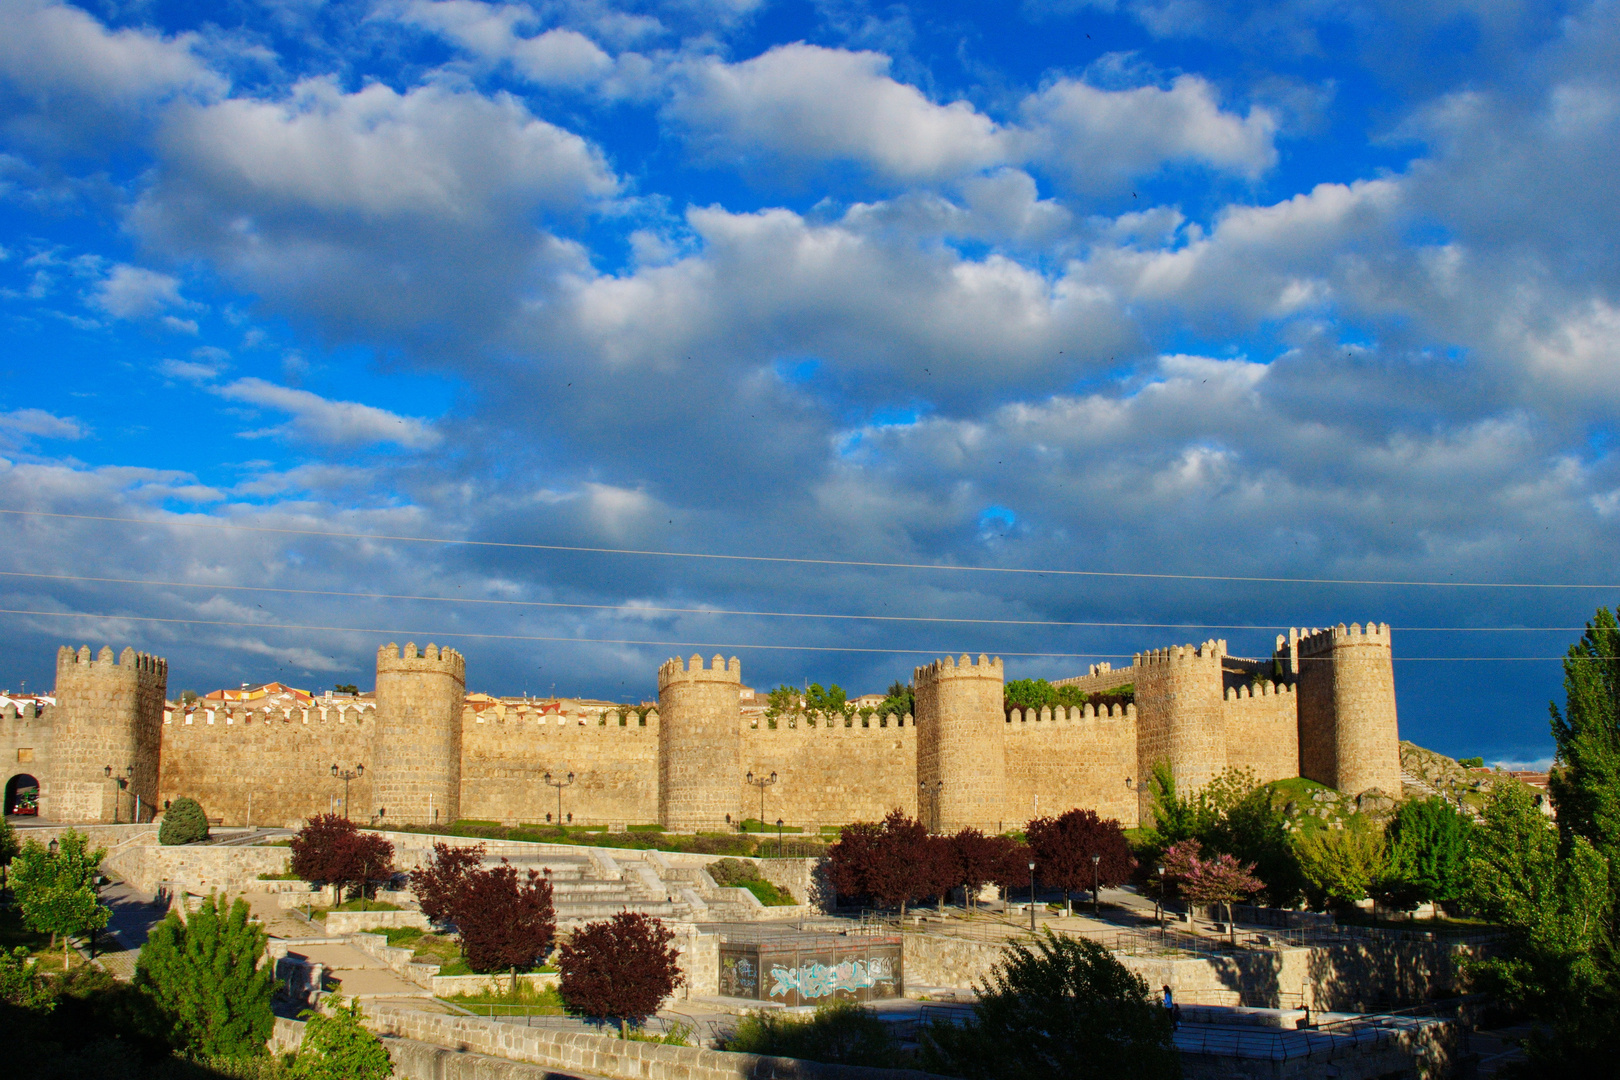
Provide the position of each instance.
(1095, 139)
(53, 48)
(133, 292)
(188, 370)
(37, 423)
(432, 151)
(496, 33)
(330, 422)
(805, 105)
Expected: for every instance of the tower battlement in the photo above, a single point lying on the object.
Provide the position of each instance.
(1321, 642)
(390, 658)
(146, 668)
(966, 668)
(1181, 655)
(675, 670)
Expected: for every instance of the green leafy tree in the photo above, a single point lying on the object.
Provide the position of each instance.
(1586, 787)
(57, 893)
(1551, 895)
(337, 1046)
(202, 981)
(1341, 865)
(837, 1033)
(783, 701)
(1428, 851)
(183, 822)
(9, 845)
(1029, 694)
(1059, 1008)
(830, 704)
(901, 700)
(1174, 818)
(21, 984)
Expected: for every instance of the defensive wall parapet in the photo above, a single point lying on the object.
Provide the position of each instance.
(1262, 729)
(1347, 719)
(1179, 714)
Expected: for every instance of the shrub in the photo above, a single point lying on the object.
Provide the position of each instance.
(183, 822)
(1060, 1008)
(203, 984)
(837, 1033)
(733, 872)
(621, 969)
(338, 1047)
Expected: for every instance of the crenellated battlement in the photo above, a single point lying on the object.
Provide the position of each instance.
(233, 714)
(1022, 718)
(1181, 655)
(391, 658)
(1316, 642)
(891, 722)
(1264, 690)
(966, 668)
(675, 670)
(611, 720)
(147, 668)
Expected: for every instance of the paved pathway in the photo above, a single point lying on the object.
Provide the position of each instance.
(359, 973)
(134, 913)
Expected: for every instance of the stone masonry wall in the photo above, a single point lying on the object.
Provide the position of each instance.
(1179, 715)
(961, 741)
(506, 754)
(25, 745)
(831, 775)
(1061, 759)
(1262, 730)
(416, 770)
(268, 767)
(107, 713)
(699, 743)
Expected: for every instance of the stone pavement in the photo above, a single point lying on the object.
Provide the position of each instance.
(134, 913)
(279, 921)
(358, 973)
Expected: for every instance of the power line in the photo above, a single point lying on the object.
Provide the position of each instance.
(869, 564)
(642, 608)
(450, 634)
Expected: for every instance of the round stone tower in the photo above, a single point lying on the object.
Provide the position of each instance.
(699, 743)
(1179, 717)
(961, 743)
(416, 745)
(1348, 735)
(107, 713)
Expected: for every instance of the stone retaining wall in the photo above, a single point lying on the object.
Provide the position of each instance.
(600, 1055)
(353, 922)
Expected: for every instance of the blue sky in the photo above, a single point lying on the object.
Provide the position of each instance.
(1297, 290)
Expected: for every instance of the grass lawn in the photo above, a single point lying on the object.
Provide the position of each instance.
(769, 894)
(543, 1002)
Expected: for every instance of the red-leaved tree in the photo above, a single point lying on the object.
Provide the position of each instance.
(973, 861)
(437, 883)
(1064, 847)
(502, 922)
(1221, 880)
(329, 849)
(892, 863)
(1010, 866)
(622, 969)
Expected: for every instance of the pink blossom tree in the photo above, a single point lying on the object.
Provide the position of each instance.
(1221, 880)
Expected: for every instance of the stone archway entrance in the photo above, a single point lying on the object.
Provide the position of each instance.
(22, 795)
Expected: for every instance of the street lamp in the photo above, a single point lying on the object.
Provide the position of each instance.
(122, 781)
(761, 782)
(778, 838)
(1032, 896)
(924, 787)
(346, 775)
(559, 785)
(1096, 895)
(1158, 901)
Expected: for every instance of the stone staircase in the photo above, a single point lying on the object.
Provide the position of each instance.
(1413, 782)
(597, 885)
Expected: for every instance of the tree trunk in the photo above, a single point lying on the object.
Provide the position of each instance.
(624, 1032)
(64, 953)
(514, 982)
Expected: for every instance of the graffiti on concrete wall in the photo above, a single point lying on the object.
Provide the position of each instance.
(814, 980)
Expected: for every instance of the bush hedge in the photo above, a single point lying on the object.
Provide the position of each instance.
(183, 823)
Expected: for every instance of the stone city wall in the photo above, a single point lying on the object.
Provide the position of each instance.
(279, 760)
(831, 774)
(25, 743)
(1061, 759)
(1262, 730)
(507, 751)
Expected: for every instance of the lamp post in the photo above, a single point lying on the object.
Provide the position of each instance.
(925, 788)
(346, 775)
(1158, 902)
(1032, 896)
(761, 782)
(1096, 894)
(559, 785)
(122, 782)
